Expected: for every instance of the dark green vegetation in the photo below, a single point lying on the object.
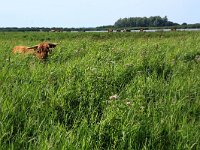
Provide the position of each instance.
(64, 102)
(155, 21)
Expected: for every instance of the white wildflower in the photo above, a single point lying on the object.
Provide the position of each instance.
(114, 97)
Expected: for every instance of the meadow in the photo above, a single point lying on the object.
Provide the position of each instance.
(101, 91)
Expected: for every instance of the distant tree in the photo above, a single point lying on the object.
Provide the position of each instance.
(184, 24)
(165, 19)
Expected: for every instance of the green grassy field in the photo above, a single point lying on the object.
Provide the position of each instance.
(65, 102)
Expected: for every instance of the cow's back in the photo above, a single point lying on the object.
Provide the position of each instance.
(23, 50)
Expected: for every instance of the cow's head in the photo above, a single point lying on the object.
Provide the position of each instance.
(43, 49)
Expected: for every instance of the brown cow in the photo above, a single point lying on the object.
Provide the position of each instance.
(110, 30)
(41, 50)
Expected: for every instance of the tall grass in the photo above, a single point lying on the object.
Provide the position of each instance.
(65, 102)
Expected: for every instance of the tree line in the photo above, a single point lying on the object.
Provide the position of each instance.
(46, 29)
(154, 21)
(132, 23)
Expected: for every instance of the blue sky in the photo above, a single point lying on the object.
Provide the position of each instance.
(92, 13)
